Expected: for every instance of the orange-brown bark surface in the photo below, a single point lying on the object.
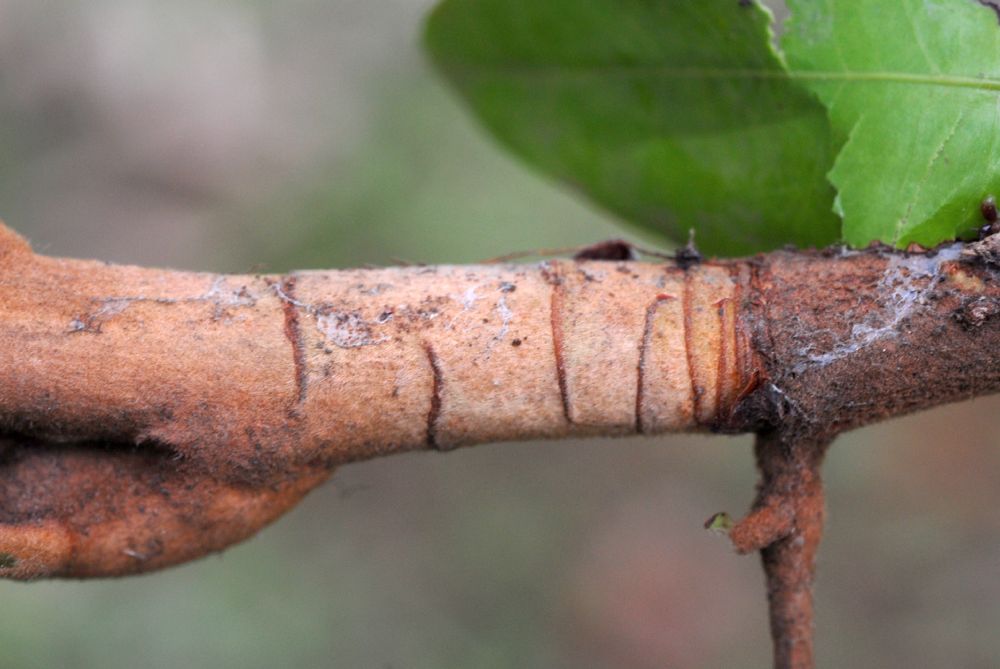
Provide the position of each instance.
(209, 398)
(148, 417)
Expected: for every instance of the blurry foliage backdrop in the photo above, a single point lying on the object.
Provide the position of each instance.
(251, 136)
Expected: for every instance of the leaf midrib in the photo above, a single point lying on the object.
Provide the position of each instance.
(546, 70)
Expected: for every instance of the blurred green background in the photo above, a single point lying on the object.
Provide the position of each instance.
(241, 136)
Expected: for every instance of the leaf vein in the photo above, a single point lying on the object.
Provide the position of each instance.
(935, 157)
(624, 71)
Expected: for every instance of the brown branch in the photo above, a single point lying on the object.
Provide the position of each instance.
(253, 383)
(148, 416)
(786, 525)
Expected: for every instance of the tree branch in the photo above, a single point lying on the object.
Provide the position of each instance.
(151, 416)
(249, 384)
(786, 525)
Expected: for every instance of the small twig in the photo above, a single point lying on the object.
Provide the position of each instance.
(786, 525)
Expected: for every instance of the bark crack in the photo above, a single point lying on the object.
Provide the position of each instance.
(722, 361)
(293, 332)
(555, 320)
(689, 347)
(647, 336)
(739, 341)
(437, 382)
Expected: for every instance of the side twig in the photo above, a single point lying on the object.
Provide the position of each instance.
(785, 525)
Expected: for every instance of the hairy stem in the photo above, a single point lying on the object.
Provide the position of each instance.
(786, 525)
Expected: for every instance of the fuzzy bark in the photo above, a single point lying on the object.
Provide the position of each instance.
(785, 527)
(151, 416)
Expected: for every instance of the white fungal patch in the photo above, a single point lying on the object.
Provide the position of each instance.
(505, 317)
(223, 295)
(116, 305)
(906, 282)
(469, 298)
(347, 330)
(220, 295)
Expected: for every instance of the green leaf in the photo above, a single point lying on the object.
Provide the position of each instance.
(673, 114)
(912, 86)
(719, 522)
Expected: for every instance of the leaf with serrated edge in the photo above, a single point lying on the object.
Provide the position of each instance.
(913, 87)
(671, 114)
